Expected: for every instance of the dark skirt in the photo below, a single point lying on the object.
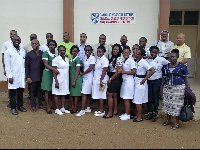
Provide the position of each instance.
(115, 84)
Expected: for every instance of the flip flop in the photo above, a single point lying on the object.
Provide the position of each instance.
(105, 116)
(137, 120)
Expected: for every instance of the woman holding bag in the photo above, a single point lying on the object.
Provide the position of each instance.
(173, 86)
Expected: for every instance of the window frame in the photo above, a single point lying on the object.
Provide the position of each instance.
(183, 13)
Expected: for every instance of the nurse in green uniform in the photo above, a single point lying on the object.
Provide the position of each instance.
(75, 79)
(47, 77)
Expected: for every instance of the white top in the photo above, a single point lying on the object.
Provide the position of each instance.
(142, 66)
(61, 66)
(44, 47)
(87, 63)
(15, 67)
(7, 45)
(99, 65)
(62, 77)
(157, 64)
(164, 48)
(127, 66)
(147, 51)
(81, 53)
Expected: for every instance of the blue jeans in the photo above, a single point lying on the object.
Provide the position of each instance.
(153, 94)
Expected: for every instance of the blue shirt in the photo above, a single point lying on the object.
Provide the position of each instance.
(174, 75)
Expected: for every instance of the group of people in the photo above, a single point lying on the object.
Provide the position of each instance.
(99, 72)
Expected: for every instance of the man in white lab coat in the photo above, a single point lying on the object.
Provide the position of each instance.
(7, 45)
(14, 60)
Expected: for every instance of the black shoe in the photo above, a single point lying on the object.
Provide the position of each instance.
(154, 117)
(14, 111)
(22, 109)
(73, 112)
(49, 112)
(149, 116)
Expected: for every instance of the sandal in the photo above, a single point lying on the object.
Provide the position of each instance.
(105, 116)
(175, 126)
(167, 123)
(137, 120)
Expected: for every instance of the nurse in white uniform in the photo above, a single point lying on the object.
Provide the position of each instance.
(99, 87)
(141, 87)
(88, 64)
(127, 88)
(60, 85)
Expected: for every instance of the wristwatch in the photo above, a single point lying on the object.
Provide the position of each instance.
(110, 79)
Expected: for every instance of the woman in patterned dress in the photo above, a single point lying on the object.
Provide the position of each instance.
(173, 86)
(115, 80)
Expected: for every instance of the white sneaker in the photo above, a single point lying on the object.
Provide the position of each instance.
(88, 109)
(96, 112)
(57, 111)
(99, 114)
(63, 110)
(122, 115)
(125, 117)
(82, 112)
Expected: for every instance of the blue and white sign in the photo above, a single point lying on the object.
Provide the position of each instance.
(113, 18)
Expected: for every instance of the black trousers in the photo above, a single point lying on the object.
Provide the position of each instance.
(12, 94)
(35, 89)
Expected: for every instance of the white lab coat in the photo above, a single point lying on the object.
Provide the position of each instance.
(15, 67)
(7, 45)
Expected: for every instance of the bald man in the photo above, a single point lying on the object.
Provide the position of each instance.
(184, 50)
(34, 68)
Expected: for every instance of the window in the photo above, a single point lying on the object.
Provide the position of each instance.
(175, 18)
(191, 18)
(184, 18)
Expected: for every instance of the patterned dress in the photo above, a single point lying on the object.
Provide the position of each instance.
(174, 88)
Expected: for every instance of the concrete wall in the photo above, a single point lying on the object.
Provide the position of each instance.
(28, 16)
(184, 4)
(146, 20)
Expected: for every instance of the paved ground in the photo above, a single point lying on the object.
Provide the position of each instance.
(38, 131)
